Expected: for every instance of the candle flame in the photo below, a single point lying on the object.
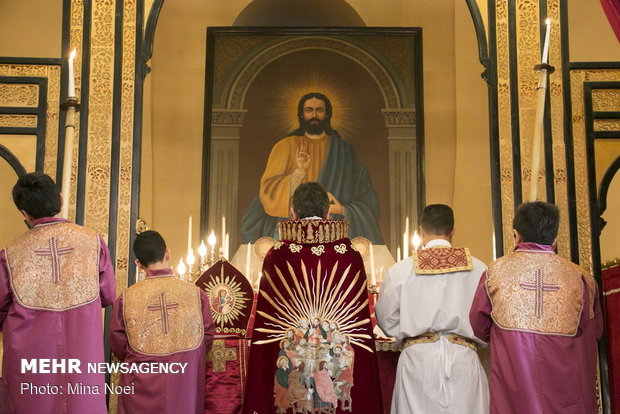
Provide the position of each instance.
(72, 55)
(548, 22)
(202, 250)
(415, 240)
(190, 257)
(181, 267)
(211, 239)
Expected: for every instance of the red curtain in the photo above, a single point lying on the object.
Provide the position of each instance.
(612, 10)
(611, 290)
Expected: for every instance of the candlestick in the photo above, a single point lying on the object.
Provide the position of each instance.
(71, 93)
(373, 276)
(189, 234)
(248, 261)
(537, 143)
(67, 164)
(71, 105)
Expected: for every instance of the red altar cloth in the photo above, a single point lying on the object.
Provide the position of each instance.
(611, 291)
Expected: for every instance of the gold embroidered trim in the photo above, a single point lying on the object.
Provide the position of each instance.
(425, 338)
(295, 248)
(313, 231)
(163, 316)
(341, 248)
(437, 260)
(534, 292)
(318, 250)
(463, 341)
(54, 266)
(431, 337)
(611, 292)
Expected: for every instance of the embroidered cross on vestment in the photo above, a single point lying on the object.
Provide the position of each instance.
(163, 308)
(539, 288)
(54, 252)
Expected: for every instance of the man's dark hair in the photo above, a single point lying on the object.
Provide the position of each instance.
(537, 222)
(149, 247)
(328, 114)
(310, 200)
(37, 194)
(437, 219)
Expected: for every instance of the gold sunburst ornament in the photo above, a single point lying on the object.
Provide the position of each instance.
(316, 305)
(227, 300)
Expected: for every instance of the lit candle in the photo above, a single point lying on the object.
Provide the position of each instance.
(190, 258)
(211, 240)
(248, 261)
(181, 269)
(406, 239)
(545, 53)
(373, 276)
(189, 234)
(202, 251)
(415, 240)
(398, 254)
(223, 239)
(227, 246)
(71, 75)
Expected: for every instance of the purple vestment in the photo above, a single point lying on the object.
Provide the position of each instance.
(159, 393)
(75, 332)
(538, 372)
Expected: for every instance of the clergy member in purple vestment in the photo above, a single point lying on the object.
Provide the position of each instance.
(54, 279)
(312, 346)
(542, 316)
(161, 320)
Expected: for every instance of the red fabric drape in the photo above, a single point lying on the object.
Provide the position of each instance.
(612, 10)
(611, 289)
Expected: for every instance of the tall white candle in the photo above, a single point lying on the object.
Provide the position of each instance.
(189, 234)
(373, 276)
(545, 53)
(223, 239)
(406, 239)
(405, 245)
(227, 246)
(71, 75)
(398, 254)
(248, 261)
